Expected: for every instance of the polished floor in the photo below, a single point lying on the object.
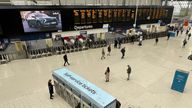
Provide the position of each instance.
(23, 83)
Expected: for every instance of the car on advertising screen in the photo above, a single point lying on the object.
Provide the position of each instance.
(39, 20)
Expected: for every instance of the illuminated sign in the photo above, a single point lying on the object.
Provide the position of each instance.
(83, 27)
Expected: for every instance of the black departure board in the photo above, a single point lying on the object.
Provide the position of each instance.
(76, 14)
(87, 17)
(94, 15)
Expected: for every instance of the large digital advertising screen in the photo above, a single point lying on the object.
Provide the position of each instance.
(38, 21)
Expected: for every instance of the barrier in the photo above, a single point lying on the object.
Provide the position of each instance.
(74, 89)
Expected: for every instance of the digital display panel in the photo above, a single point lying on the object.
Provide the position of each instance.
(36, 21)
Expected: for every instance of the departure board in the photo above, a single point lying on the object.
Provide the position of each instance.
(110, 15)
(88, 13)
(128, 14)
(105, 15)
(123, 14)
(115, 15)
(94, 16)
(83, 19)
(76, 15)
(119, 17)
(161, 13)
(100, 15)
(132, 14)
(157, 13)
(90, 16)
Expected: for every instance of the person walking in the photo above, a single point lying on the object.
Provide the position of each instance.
(168, 36)
(78, 105)
(181, 31)
(118, 104)
(115, 44)
(109, 50)
(156, 40)
(120, 41)
(132, 39)
(184, 43)
(123, 52)
(50, 86)
(189, 35)
(107, 73)
(187, 32)
(128, 72)
(140, 40)
(65, 59)
(103, 54)
(177, 32)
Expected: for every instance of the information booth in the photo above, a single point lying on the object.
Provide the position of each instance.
(76, 90)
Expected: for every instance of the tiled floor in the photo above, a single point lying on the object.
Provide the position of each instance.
(23, 83)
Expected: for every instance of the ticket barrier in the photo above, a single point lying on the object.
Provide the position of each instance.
(74, 90)
(4, 58)
(39, 53)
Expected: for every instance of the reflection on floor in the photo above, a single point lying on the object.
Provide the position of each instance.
(23, 83)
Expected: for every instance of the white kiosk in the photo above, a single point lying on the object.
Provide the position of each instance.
(76, 90)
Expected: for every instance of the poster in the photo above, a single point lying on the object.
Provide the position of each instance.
(179, 81)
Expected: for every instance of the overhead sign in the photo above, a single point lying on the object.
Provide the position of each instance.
(179, 80)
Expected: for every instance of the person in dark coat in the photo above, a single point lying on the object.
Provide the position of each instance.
(51, 91)
(189, 28)
(123, 52)
(189, 35)
(181, 31)
(65, 59)
(128, 72)
(119, 42)
(184, 43)
(118, 104)
(177, 32)
(156, 40)
(168, 36)
(187, 32)
(109, 50)
(115, 44)
(88, 43)
(78, 105)
(132, 39)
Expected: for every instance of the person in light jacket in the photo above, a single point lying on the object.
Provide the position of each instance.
(103, 54)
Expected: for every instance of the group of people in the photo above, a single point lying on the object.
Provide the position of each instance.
(103, 52)
(118, 42)
(181, 29)
(107, 73)
(109, 52)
